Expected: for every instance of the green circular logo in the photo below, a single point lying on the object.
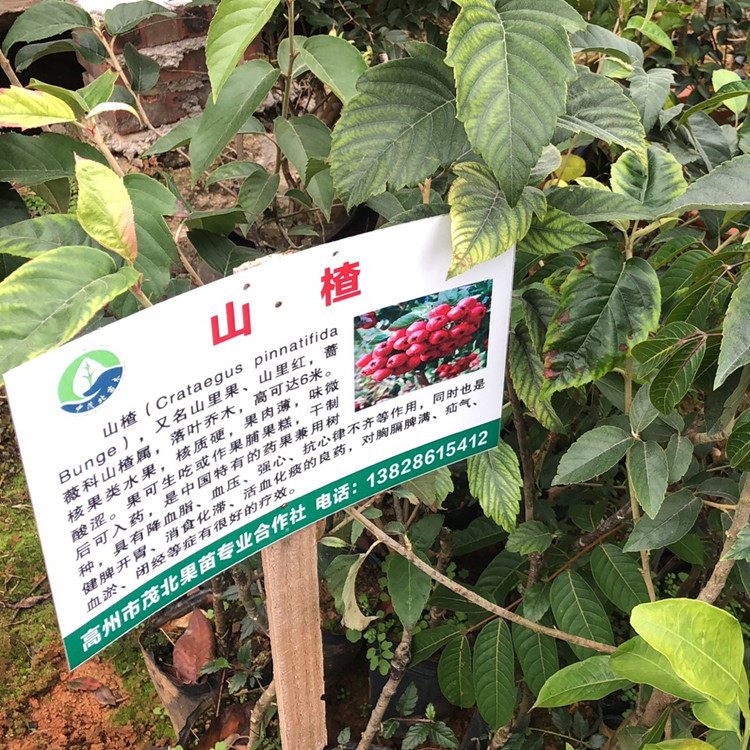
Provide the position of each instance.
(88, 381)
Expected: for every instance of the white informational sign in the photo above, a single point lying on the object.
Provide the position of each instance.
(164, 448)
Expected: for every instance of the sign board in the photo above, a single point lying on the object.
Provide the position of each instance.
(166, 447)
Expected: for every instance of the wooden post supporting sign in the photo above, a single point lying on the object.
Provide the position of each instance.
(290, 572)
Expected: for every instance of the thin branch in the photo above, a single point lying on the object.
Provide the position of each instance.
(258, 714)
(399, 663)
(98, 139)
(9, 72)
(473, 597)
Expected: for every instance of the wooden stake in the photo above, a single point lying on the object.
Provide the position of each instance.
(290, 573)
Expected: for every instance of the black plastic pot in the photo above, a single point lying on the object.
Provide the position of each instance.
(476, 736)
(424, 676)
(338, 653)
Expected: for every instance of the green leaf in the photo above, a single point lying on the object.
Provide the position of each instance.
(592, 204)
(593, 453)
(735, 340)
(588, 680)
(597, 39)
(512, 66)
(676, 374)
(501, 576)
(738, 444)
(715, 715)
(557, 232)
(675, 518)
(494, 678)
(233, 170)
(455, 673)
(537, 655)
(599, 107)
(44, 20)
(655, 184)
(409, 588)
(144, 72)
(104, 209)
(25, 108)
(651, 31)
(741, 548)
(416, 735)
(618, 576)
(679, 455)
(99, 90)
(702, 643)
(527, 375)
(648, 472)
(342, 577)
(725, 188)
(126, 16)
(607, 306)
(257, 193)
(682, 744)
(495, 481)
(649, 90)
(480, 533)
(178, 136)
(427, 642)
(30, 53)
(529, 537)
(301, 139)
(156, 246)
(431, 489)
(32, 237)
(399, 128)
(334, 61)
(235, 24)
(222, 118)
(636, 661)
(483, 225)
(642, 411)
(50, 299)
(733, 92)
(656, 348)
(577, 610)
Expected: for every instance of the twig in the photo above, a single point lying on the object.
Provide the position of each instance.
(399, 663)
(220, 621)
(137, 292)
(258, 714)
(9, 72)
(244, 584)
(98, 139)
(473, 597)
(186, 264)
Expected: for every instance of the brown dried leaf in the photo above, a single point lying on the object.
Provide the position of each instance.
(89, 684)
(194, 648)
(105, 696)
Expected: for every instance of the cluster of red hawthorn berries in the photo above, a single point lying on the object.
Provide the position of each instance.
(445, 330)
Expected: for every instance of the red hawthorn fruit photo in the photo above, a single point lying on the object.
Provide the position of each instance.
(420, 342)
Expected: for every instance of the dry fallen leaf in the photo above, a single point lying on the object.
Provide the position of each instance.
(88, 684)
(194, 648)
(105, 696)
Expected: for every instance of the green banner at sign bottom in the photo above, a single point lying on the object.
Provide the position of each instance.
(238, 545)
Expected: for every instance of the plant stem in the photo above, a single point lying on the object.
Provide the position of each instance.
(9, 72)
(137, 292)
(98, 139)
(258, 714)
(471, 596)
(288, 76)
(220, 620)
(399, 663)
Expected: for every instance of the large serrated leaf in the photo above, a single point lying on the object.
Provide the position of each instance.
(702, 643)
(556, 232)
(725, 188)
(125, 17)
(649, 90)
(483, 225)
(648, 472)
(655, 183)
(427, 642)
(501, 576)
(675, 518)
(234, 25)
(635, 660)
(588, 680)
(495, 481)
(735, 341)
(527, 374)
(399, 128)
(333, 60)
(27, 239)
(618, 577)
(577, 610)
(49, 299)
(455, 673)
(223, 117)
(409, 588)
(738, 445)
(591, 204)
(607, 306)
(676, 374)
(593, 453)
(494, 684)
(512, 66)
(43, 20)
(537, 655)
(599, 107)
(598, 39)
